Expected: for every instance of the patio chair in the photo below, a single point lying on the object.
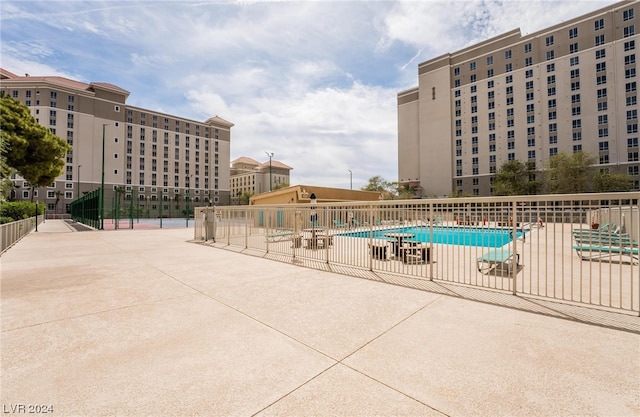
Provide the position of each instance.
(338, 223)
(280, 235)
(498, 259)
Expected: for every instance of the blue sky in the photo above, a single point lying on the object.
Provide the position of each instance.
(313, 82)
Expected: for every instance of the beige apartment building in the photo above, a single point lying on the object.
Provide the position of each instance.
(571, 87)
(153, 157)
(249, 176)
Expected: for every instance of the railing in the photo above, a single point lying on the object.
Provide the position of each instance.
(556, 254)
(12, 232)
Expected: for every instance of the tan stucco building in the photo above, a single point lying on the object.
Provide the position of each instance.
(301, 194)
(568, 88)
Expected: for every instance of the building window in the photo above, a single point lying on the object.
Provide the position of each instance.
(632, 114)
(575, 73)
(551, 67)
(553, 139)
(599, 24)
(629, 87)
(630, 45)
(600, 53)
(603, 146)
(628, 14)
(573, 48)
(630, 73)
(632, 100)
(630, 59)
(508, 68)
(573, 61)
(577, 148)
(528, 61)
(601, 66)
(553, 151)
(456, 71)
(602, 106)
(573, 33)
(629, 31)
(549, 40)
(599, 40)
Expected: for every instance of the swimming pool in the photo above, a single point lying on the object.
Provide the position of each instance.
(465, 236)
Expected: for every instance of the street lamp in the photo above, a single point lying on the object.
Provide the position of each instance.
(350, 179)
(102, 182)
(270, 155)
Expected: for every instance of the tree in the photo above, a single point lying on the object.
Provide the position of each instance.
(6, 184)
(515, 178)
(569, 174)
(606, 182)
(31, 149)
(244, 198)
(376, 183)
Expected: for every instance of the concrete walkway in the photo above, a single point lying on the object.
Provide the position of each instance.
(144, 322)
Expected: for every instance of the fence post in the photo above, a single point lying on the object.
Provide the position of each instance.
(431, 249)
(514, 232)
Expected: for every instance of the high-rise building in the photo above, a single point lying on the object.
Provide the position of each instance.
(571, 87)
(152, 157)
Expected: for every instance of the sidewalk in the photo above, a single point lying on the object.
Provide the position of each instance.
(144, 322)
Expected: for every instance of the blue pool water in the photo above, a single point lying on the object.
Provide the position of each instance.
(465, 236)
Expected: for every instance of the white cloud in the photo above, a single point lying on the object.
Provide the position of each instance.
(315, 82)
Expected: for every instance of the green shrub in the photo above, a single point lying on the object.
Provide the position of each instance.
(18, 210)
(4, 220)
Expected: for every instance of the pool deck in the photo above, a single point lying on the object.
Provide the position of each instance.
(146, 322)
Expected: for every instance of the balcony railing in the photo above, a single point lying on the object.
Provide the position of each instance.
(579, 249)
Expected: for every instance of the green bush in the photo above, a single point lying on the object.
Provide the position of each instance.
(18, 210)
(4, 220)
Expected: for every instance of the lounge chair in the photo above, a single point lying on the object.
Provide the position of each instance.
(437, 221)
(607, 227)
(595, 252)
(498, 259)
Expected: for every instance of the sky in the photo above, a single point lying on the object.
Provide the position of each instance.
(314, 82)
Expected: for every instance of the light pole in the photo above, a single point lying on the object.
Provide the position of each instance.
(270, 155)
(102, 182)
(188, 198)
(350, 179)
(78, 181)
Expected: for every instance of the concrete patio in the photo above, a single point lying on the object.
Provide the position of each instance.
(145, 322)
